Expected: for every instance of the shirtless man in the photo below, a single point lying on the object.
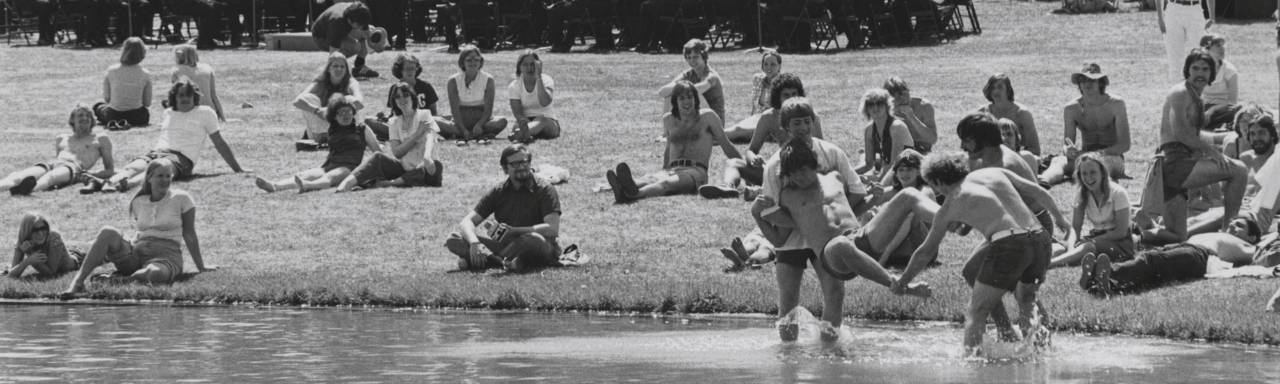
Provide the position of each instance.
(1262, 138)
(1189, 162)
(690, 133)
(980, 136)
(76, 153)
(1017, 251)
(707, 80)
(739, 174)
(1191, 260)
(1103, 122)
(814, 206)
(916, 112)
(999, 92)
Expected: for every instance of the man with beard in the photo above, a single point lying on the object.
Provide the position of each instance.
(1185, 161)
(526, 214)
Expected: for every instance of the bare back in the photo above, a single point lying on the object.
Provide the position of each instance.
(690, 138)
(820, 212)
(86, 151)
(988, 202)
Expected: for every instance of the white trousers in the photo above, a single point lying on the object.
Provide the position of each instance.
(1183, 27)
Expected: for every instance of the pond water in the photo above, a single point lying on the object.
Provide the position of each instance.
(58, 343)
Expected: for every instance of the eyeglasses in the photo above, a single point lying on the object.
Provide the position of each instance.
(520, 163)
(40, 228)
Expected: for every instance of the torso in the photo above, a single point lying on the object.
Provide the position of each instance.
(471, 94)
(85, 151)
(1229, 248)
(714, 96)
(988, 202)
(689, 138)
(1096, 121)
(1180, 97)
(820, 213)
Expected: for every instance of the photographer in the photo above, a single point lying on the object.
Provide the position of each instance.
(527, 215)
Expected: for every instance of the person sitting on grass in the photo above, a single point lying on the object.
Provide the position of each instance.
(189, 66)
(410, 157)
(343, 28)
(814, 207)
(187, 125)
(762, 87)
(917, 113)
(530, 95)
(691, 132)
(335, 78)
(165, 217)
(347, 144)
(883, 138)
(1224, 91)
(1234, 141)
(1193, 259)
(1011, 136)
(999, 93)
(40, 248)
(743, 176)
(76, 153)
(471, 98)
(1013, 259)
(1103, 122)
(905, 174)
(526, 221)
(1106, 205)
(126, 90)
(406, 68)
(707, 81)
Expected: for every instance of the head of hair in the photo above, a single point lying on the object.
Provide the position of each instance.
(1251, 226)
(1268, 123)
(398, 66)
(152, 167)
(794, 156)
(910, 159)
(1200, 54)
(79, 108)
(783, 81)
(697, 46)
(185, 54)
(945, 168)
(401, 89)
(358, 13)
(27, 225)
(873, 97)
(326, 79)
(770, 53)
(1102, 84)
(468, 49)
(511, 150)
(336, 103)
(1004, 124)
(1104, 185)
(133, 51)
(1244, 115)
(1210, 39)
(183, 86)
(683, 87)
(982, 128)
(997, 79)
(895, 85)
(795, 107)
(526, 54)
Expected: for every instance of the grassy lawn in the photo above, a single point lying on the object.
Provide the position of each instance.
(384, 247)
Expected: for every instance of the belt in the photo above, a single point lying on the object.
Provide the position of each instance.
(686, 163)
(1185, 2)
(1011, 232)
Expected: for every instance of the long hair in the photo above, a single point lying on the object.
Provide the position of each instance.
(397, 68)
(1006, 124)
(133, 51)
(794, 156)
(783, 81)
(326, 80)
(79, 108)
(185, 86)
(399, 89)
(871, 98)
(466, 50)
(1200, 54)
(185, 54)
(770, 53)
(145, 189)
(336, 103)
(982, 128)
(1104, 186)
(524, 55)
(682, 87)
(996, 79)
(908, 158)
(28, 224)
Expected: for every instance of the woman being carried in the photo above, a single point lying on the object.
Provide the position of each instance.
(347, 143)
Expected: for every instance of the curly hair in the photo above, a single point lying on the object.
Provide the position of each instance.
(783, 81)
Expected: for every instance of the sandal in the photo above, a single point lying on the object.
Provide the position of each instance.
(462, 143)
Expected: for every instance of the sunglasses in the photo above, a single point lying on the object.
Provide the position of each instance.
(118, 125)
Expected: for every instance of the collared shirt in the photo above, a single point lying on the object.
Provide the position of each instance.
(520, 206)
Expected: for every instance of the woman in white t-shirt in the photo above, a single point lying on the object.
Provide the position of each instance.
(334, 78)
(189, 66)
(1106, 205)
(409, 158)
(187, 126)
(165, 218)
(471, 98)
(531, 97)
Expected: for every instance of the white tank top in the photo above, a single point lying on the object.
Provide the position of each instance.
(471, 95)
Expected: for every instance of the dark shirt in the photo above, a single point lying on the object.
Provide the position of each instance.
(346, 145)
(520, 207)
(425, 93)
(330, 25)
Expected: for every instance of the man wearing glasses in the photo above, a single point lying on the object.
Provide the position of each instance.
(526, 221)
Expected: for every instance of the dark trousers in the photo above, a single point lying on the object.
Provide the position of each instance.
(1167, 264)
(383, 167)
(136, 117)
(476, 19)
(532, 250)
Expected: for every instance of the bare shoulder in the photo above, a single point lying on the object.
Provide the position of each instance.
(1116, 103)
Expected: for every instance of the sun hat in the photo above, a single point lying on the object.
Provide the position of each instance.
(1091, 71)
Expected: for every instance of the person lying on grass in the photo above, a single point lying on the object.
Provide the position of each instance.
(1102, 121)
(406, 68)
(1199, 256)
(884, 136)
(530, 95)
(1105, 203)
(761, 85)
(691, 133)
(347, 144)
(75, 154)
(410, 157)
(182, 137)
(334, 78)
(743, 176)
(40, 248)
(165, 217)
(1014, 257)
(526, 214)
(814, 207)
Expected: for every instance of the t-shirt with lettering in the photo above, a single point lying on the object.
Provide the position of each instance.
(830, 158)
(161, 219)
(529, 99)
(423, 149)
(423, 91)
(1103, 216)
(186, 132)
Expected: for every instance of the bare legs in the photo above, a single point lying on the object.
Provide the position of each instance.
(309, 180)
(110, 242)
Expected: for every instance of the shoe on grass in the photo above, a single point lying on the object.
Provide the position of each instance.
(749, 193)
(93, 185)
(626, 181)
(24, 187)
(1087, 266)
(364, 72)
(1102, 277)
(619, 196)
(711, 191)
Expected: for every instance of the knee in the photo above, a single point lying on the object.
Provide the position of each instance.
(1238, 171)
(838, 247)
(531, 240)
(109, 234)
